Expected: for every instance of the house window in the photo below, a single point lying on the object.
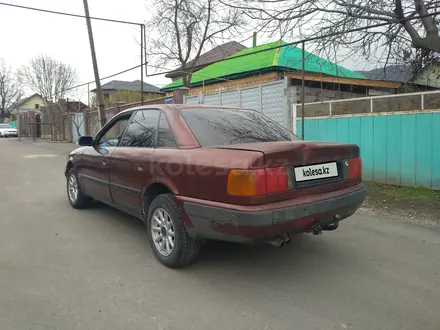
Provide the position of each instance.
(37, 106)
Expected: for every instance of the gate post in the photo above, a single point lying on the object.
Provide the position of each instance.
(179, 93)
(33, 120)
(86, 122)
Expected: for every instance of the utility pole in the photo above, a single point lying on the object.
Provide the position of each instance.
(142, 64)
(101, 110)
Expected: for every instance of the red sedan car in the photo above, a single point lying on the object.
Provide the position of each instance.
(195, 173)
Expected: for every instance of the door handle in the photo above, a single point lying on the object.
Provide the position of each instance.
(140, 168)
(104, 162)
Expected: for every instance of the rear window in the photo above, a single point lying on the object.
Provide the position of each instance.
(214, 127)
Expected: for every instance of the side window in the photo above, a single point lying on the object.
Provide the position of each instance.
(142, 129)
(165, 138)
(114, 133)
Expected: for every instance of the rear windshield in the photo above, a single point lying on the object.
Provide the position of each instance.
(214, 127)
(5, 126)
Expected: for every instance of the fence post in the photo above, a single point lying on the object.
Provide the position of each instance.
(19, 125)
(302, 89)
(422, 101)
(330, 108)
(260, 89)
(179, 93)
(86, 123)
(371, 106)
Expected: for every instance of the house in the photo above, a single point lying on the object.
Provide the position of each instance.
(427, 78)
(399, 73)
(70, 106)
(216, 54)
(278, 60)
(30, 103)
(128, 91)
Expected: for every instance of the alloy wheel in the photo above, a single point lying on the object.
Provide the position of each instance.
(162, 232)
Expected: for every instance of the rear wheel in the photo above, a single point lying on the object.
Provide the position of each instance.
(76, 197)
(171, 244)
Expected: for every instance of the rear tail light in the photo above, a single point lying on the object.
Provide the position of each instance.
(247, 182)
(277, 179)
(258, 182)
(354, 168)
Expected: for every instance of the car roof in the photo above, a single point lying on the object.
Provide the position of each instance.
(173, 107)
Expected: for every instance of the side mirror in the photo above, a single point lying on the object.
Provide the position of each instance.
(85, 141)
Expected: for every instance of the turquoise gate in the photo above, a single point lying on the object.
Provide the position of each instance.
(400, 149)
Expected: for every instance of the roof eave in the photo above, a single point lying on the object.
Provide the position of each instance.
(291, 72)
(228, 77)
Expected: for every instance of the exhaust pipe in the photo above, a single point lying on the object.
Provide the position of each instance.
(277, 242)
(280, 241)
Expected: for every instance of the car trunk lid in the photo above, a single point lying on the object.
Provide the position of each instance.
(312, 167)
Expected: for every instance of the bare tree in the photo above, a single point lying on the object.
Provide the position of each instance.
(52, 79)
(334, 19)
(10, 91)
(74, 109)
(181, 29)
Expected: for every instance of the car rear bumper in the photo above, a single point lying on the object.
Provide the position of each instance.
(9, 134)
(228, 224)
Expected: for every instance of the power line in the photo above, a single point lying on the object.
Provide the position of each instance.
(302, 41)
(104, 78)
(248, 54)
(189, 72)
(68, 14)
(209, 63)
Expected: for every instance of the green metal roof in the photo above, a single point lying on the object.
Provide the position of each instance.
(287, 58)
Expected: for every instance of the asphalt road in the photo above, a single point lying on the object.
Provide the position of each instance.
(66, 269)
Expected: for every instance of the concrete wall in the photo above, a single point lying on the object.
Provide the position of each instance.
(313, 94)
(399, 103)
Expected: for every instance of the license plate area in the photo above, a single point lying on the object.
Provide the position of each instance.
(316, 174)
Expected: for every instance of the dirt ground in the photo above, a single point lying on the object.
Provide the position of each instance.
(417, 206)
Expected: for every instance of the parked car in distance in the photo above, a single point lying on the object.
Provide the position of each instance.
(6, 131)
(195, 173)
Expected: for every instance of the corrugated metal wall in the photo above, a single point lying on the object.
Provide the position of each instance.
(77, 120)
(402, 149)
(272, 99)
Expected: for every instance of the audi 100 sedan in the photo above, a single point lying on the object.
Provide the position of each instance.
(195, 173)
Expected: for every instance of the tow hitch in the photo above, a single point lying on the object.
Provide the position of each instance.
(332, 226)
(317, 228)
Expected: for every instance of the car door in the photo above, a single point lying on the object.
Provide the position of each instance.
(93, 169)
(131, 165)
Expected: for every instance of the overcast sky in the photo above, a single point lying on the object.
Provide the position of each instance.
(26, 34)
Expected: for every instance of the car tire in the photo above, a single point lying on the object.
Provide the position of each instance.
(185, 249)
(77, 199)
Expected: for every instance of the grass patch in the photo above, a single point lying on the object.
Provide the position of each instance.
(419, 206)
(398, 194)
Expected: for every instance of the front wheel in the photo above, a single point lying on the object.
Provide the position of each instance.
(171, 244)
(76, 197)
